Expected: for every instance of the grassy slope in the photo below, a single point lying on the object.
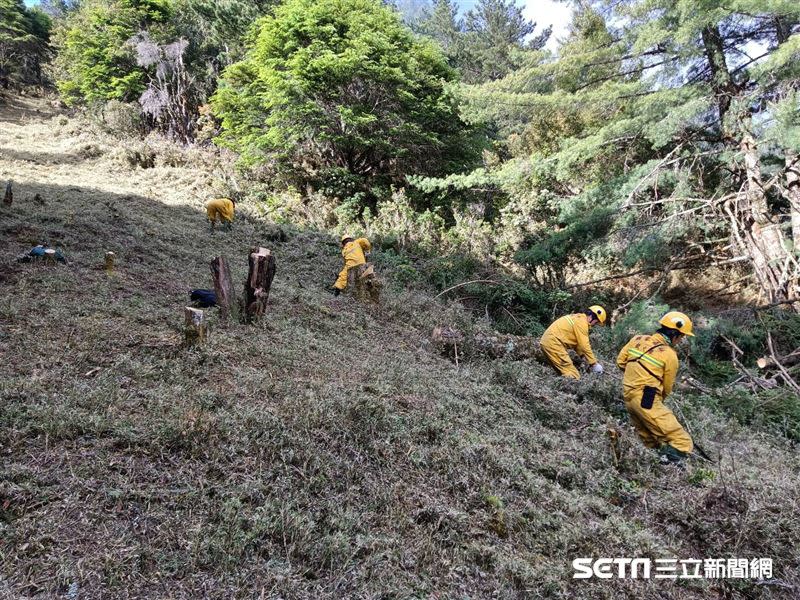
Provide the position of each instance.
(327, 452)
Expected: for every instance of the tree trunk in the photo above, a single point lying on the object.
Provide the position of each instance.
(363, 283)
(196, 329)
(775, 268)
(259, 281)
(223, 287)
(722, 82)
(9, 197)
(754, 231)
(792, 194)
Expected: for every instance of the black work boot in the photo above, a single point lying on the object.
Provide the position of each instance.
(672, 456)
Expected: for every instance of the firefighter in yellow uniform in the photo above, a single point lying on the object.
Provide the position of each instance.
(650, 364)
(222, 209)
(571, 332)
(353, 252)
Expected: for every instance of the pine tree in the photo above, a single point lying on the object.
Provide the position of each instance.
(24, 36)
(495, 30)
(340, 94)
(95, 61)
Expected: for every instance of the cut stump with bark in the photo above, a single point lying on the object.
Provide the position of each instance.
(364, 284)
(196, 328)
(110, 258)
(223, 287)
(259, 281)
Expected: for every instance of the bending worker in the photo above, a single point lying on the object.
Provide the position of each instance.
(650, 364)
(222, 209)
(571, 332)
(353, 252)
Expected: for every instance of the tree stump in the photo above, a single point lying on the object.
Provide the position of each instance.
(110, 258)
(259, 280)
(363, 283)
(223, 287)
(9, 197)
(196, 328)
(50, 256)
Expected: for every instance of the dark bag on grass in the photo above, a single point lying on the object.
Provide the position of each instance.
(203, 298)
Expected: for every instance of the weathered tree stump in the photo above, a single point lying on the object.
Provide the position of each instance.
(196, 328)
(259, 280)
(223, 287)
(110, 258)
(363, 283)
(50, 256)
(9, 197)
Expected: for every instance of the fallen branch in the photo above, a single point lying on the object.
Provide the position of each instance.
(767, 362)
(453, 343)
(450, 289)
(787, 378)
(764, 384)
(680, 267)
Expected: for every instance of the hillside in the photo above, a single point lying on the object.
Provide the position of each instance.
(327, 452)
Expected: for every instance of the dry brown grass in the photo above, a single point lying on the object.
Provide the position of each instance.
(327, 452)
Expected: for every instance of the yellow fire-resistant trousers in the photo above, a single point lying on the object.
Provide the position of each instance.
(221, 208)
(656, 425)
(341, 281)
(558, 356)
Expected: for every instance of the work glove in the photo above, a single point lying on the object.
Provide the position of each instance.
(597, 368)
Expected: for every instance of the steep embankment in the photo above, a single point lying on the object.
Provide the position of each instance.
(326, 452)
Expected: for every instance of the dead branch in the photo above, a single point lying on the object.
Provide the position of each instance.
(791, 359)
(450, 289)
(784, 373)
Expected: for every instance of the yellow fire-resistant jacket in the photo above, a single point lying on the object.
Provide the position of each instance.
(220, 207)
(353, 253)
(572, 332)
(650, 365)
(648, 360)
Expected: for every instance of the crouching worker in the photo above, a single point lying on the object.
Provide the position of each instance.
(650, 364)
(571, 332)
(354, 252)
(222, 209)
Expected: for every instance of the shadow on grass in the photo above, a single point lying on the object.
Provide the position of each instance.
(41, 158)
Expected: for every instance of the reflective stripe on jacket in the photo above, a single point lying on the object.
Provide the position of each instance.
(648, 360)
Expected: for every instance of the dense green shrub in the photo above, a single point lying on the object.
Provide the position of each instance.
(339, 95)
(24, 36)
(549, 255)
(95, 62)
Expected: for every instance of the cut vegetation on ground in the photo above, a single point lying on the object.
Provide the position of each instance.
(328, 451)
